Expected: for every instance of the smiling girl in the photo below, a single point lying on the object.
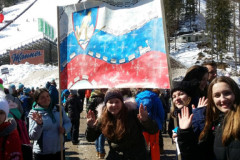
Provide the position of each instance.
(220, 137)
(122, 124)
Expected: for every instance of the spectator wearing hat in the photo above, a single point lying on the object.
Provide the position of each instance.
(20, 89)
(155, 110)
(122, 124)
(12, 90)
(181, 95)
(15, 104)
(9, 138)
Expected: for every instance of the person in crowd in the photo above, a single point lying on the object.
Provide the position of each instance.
(122, 126)
(155, 110)
(9, 138)
(74, 108)
(20, 89)
(45, 128)
(198, 75)
(12, 90)
(220, 137)
(64, 96)
(181, 96)
(15, 104)
(27, 102)
(81, 95)
(51, 86)
(126, 92)
(97, 97)
(166, 109)
(87, 95)
(212, 70)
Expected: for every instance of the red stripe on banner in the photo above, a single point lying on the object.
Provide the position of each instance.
(148, 71)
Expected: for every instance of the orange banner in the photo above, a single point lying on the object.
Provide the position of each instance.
(30, 56)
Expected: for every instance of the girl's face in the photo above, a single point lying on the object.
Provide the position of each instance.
(223, 96)
(203, 82)
(2, 116)
(114, 106)
(44, 99)
(180, 99)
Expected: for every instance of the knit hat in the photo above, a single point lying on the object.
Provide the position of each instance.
(185, 86)
(12, 86)
(26, 90)
(20, 86)
(3, 103)
(113, 93)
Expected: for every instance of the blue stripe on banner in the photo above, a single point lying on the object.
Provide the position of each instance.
(102, 44)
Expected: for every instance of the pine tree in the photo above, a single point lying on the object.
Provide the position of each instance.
(218, 16)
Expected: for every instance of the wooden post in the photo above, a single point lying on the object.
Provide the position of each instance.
(59, 90)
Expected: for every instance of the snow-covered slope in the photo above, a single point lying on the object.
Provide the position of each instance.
(25, 28)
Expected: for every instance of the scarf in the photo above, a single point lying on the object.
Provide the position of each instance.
(37, 107)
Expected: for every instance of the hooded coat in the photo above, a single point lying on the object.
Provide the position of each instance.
(154, 106)
(9, 141)
(132, 146)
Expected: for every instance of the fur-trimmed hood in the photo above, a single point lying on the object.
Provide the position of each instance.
(130, 103)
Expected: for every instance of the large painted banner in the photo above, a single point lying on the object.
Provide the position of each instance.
(30, 56)
(112, 44)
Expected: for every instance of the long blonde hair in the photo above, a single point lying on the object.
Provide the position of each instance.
(231, 123)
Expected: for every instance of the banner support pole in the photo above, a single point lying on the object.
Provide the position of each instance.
(59, 90)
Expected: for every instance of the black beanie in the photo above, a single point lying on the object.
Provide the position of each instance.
(111, 95)
(186, 86)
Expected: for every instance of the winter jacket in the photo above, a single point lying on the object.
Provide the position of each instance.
(211, 148)
(46, 136)
(53, 92)
(154, 106)
(198, 121)
(73, 107)
(9, 141)
(132, 146)
(27, 102)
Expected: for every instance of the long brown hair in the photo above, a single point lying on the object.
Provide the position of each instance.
(114, 128)
(231, 123)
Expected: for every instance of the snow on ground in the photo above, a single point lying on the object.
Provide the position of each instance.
(30, 75)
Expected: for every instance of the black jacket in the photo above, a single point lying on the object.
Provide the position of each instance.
(74, 107)
(132, 146)
(211, 148)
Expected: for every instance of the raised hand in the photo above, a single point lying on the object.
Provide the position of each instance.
(37, 118)
(201, 103)
(91, 119)
(185, 121)
(143, 113)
